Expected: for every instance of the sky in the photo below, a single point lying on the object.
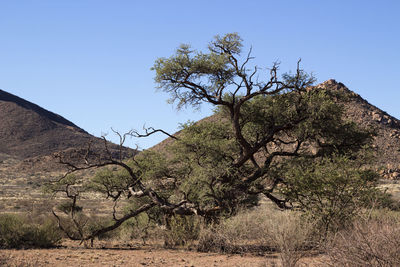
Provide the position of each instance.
(90, 60)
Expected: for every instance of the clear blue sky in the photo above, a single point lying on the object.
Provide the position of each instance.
(90, 61)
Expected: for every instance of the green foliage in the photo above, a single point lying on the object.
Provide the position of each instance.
(181, 230)
(331, 191)
(206, 153)
(197, 67)
(16, 232)
(139, 227)
(56, 186)
(203, 159)
(109, 182)
(310, 116)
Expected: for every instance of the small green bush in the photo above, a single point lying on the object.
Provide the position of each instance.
(16, 232)
(141, 227)
(181, 230)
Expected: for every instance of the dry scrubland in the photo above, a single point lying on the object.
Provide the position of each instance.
(209, 195)
(263, 236)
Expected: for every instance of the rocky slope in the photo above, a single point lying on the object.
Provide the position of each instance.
(387, 127)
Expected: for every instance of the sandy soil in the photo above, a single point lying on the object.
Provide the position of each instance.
(73, 254)
(120, 257)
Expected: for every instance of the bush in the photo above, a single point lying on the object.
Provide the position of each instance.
(140, 227)
(291, 235)
(244, 232)
(16, 232)
(331, 191)
(181, 230)
(261, 229)
(374, 241)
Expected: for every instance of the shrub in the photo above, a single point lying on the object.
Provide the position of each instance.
(139, 227)
(45, 235)
(261, 229)
(244, 232)
(181, 230)
(374, 241)
(16, 232)
(12, 231)
(291, 235)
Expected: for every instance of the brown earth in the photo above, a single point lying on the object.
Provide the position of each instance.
(74, 255)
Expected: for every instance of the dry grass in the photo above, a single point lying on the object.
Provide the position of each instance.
(261, 230)
(372, 241)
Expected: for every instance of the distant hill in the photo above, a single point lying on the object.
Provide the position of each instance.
(28, 131)
(30, 136)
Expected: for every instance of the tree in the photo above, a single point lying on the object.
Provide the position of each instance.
(264, 121)
(216, 166)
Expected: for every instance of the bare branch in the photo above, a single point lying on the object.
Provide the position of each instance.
(150, 131)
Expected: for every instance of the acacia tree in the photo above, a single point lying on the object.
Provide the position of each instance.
(264, 121)
(227, 161)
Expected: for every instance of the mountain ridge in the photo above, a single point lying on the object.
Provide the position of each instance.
(8, 97)
(28, 130)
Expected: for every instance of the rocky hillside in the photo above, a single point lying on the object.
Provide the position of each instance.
(387, 141)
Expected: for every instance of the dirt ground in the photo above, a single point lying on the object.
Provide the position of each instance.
(78, 256)
(110, 257)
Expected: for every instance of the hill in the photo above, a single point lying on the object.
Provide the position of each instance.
(30, 136)
(28, 130)
(387, 127)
